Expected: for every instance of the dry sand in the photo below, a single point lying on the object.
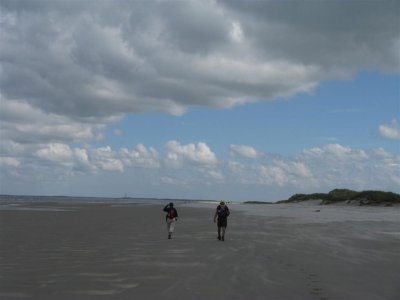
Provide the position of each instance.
(103, 251)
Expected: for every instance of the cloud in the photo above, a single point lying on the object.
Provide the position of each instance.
(390, 131)
(236, 32)
(140, 156)
(217, 175)
(198, 153)
(9, 162)
(335, 152)
(64, 160)
(193, 165)
(325, 34)
(324, 168)
(321, 168)
(58, 160)
(106, 160)
(244, 151)
(278, 173)
(69, 70)
(22, 123)
(335, 165)
(55, 152)
(83, 60)
(118, 132)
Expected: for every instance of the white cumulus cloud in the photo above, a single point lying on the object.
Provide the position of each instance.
(140, 156)
(245, 151)
(390, 131)
(193, 165)
(55, 152)
(106, 159)
(195, 152)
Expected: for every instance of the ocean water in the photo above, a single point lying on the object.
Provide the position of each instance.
(311, 212)
(14, 202)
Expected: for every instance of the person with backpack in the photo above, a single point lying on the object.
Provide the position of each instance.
(221, 214)
(170, 218)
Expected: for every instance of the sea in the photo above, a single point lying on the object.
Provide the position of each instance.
(18, 202)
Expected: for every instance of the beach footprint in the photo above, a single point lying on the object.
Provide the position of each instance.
(313, 283)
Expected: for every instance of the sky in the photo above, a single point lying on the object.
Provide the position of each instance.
(235, 100)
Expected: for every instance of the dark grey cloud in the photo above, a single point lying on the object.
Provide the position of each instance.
(198, 28)
(90, 62)
(333, 34)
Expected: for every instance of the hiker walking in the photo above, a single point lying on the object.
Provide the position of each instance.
(170, 218)
(222, 214)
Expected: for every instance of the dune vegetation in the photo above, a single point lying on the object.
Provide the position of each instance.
(348, 196)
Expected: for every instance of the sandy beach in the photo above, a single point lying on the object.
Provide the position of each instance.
(275, 252)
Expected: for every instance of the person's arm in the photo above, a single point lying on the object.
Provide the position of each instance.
(228, 212)
(176, 215)
(166, 208)
(215, 215)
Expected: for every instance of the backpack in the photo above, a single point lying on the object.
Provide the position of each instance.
(171, 213)
(222, 211)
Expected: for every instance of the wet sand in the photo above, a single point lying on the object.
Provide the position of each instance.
(103, 251)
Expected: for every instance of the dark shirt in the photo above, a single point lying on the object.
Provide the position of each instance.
(171, 212)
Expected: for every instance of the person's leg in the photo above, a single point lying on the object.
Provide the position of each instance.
(169, 228)
(223, 233)
(224, 225)
(172, 227)
(220, 224)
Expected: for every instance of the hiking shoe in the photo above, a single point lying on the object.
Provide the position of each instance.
(223, 238)
(219, 238)
(169, 236)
